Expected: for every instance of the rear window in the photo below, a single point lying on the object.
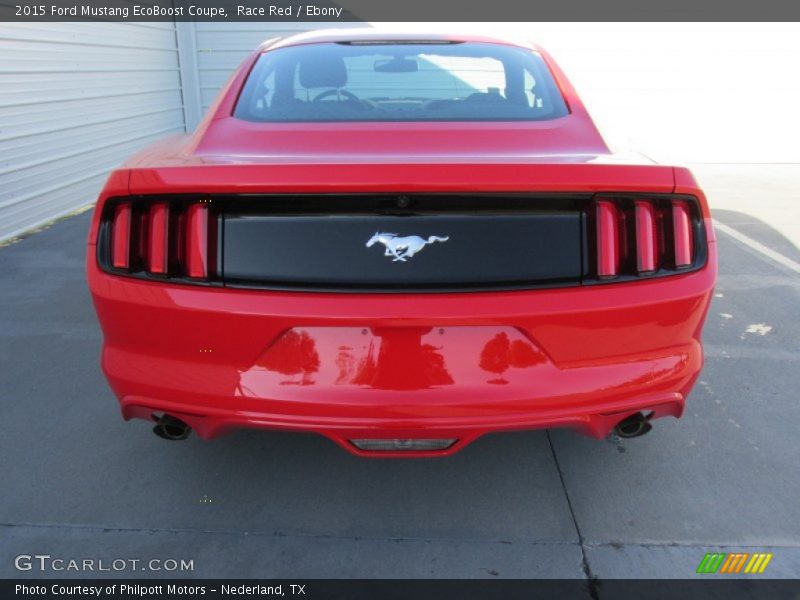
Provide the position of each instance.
(400, 82)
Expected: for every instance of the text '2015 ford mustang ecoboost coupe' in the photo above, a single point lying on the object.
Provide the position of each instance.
(401, 243)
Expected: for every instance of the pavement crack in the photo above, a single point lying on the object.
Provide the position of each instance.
(591, 580)
(617, 544)
(277, 533)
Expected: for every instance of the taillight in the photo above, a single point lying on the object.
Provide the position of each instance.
(608, 242)
(682, 233)
(646, 243)
(197, 242)
(121, 236)
(160, 239)
(635, 237)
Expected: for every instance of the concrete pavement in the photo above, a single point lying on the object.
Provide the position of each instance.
(79, 482)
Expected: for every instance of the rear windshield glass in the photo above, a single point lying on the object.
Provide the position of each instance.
(400, 82)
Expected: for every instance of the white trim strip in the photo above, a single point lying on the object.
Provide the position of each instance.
(779, 258)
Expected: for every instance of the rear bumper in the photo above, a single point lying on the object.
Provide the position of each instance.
(596, 421)
(352, 366)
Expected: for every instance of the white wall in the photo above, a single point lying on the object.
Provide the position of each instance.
(75, 100)
(680, 92)
(720, 93)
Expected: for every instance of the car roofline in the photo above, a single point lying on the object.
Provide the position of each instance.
(377, 36)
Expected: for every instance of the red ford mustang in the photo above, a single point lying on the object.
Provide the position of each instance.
(401, 243)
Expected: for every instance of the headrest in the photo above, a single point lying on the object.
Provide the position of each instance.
(321, 70)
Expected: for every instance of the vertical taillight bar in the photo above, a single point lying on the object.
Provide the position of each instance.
(197, 241)
(121, 236)
(682, 233)
(607, 239)
(159, 238)
(646, 240)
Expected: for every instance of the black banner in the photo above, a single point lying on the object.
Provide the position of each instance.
(434, 589)
(397, 10)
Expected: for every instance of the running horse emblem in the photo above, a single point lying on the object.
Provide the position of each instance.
(403, 248)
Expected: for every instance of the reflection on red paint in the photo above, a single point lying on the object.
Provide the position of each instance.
(371, 360)
(293, 354)
(394, 358)
(423, 365)
(500, 353)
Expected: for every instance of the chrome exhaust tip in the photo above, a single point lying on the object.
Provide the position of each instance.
(633, 426)
(170, 428)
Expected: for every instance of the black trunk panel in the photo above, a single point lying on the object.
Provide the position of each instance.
(491, 243)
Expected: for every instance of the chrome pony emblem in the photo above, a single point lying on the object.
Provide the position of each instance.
(402, 248)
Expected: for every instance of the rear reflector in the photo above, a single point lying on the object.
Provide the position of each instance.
(646, 241)
(197, 242)
(607, 239)
(403, 445)
(121, 237)
(159, 238)
(682, 232)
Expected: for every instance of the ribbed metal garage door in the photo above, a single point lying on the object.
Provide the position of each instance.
(75, 100)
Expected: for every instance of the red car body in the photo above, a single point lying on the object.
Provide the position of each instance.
(404, 366)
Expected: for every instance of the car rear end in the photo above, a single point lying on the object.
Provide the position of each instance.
(401, 287)
(543, 309)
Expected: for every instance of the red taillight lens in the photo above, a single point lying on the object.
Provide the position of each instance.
(607, 217)
(160, 238)
(646, 237)
(121, 236)
(642, 236)
(682, 233)
(197, 242)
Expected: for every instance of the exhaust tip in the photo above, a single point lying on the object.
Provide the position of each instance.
(171, 428)
(633, 426)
